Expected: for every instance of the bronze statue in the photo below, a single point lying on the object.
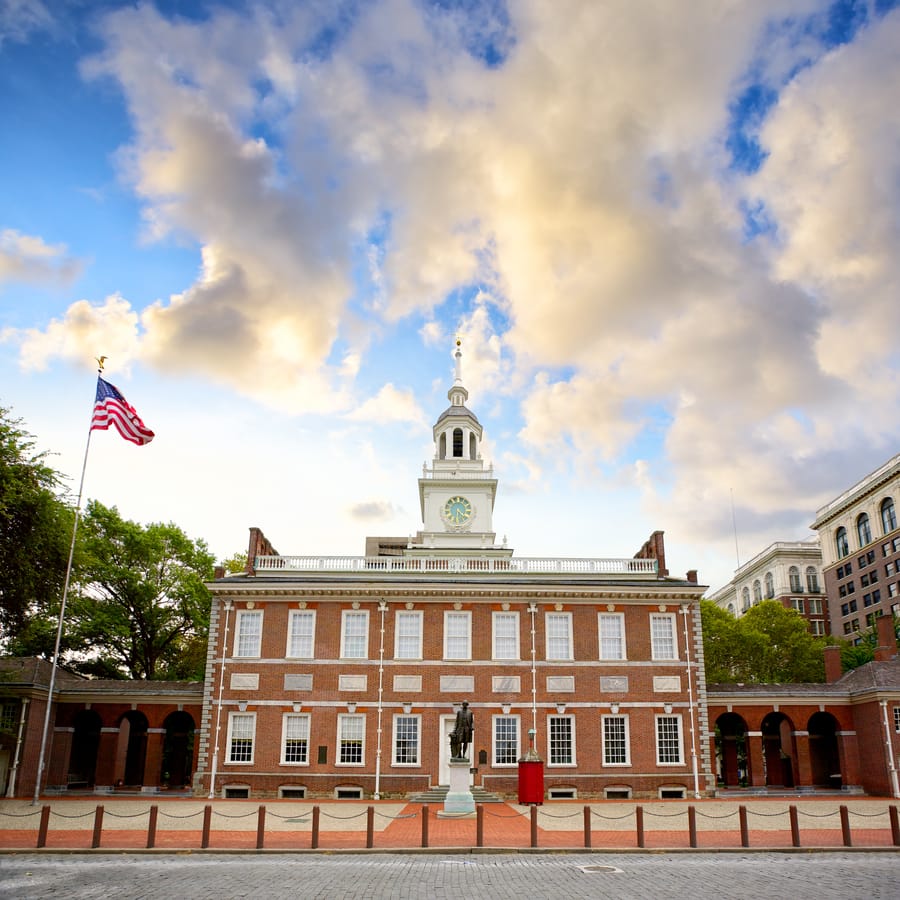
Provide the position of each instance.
(461, 736)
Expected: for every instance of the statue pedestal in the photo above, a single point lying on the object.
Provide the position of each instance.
(459, 801)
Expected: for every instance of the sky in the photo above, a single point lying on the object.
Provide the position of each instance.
(665, 233)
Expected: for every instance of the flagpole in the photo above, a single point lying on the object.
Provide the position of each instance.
(62, 613)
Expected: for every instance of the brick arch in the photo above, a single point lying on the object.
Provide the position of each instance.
(824, 758)
(732, 756)
(779, 750)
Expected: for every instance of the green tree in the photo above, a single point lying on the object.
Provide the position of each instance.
(236, 563)
(767, 644)
(141, 609)
(35, 532)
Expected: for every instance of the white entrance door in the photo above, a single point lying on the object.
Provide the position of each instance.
(447, 723)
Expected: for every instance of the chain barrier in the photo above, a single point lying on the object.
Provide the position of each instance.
(188, 816)
(222, 815)
(628, 815)
(60, 815)
(515, 815)
(874, 815)
(772, 815)
(298, 818)
(810, 815)
(728, 815)
(547, 815)
(25, 815)
(414, 815)
(343, 818)
(114, 815)
(674, 815)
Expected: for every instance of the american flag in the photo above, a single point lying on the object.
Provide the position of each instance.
(111, 408)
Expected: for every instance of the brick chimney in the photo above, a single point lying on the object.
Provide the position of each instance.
(833, 670)
(887, 641)
(692, 576)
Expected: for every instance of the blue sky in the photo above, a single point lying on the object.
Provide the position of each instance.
(668, 244)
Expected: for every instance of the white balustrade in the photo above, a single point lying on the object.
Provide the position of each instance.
(456, 565)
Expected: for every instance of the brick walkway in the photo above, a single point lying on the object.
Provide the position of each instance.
(343, 825)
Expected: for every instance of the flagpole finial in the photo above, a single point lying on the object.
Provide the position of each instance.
(100, 361)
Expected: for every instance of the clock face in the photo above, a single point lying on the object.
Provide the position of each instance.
(457, 511)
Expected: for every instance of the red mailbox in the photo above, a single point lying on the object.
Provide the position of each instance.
(531, 779)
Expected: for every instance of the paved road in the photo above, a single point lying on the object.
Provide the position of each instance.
(459, 876)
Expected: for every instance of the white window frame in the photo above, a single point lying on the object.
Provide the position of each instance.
(458, 615)
(496, 743)
(548, 637)
(411, 616)
(414, 717)
(608, 616)
(815, 606)
(897, 719)
(342, 720)
(348, 615)
(573, 762)
(626, 735)
(287, 720)
(676, 719)
(514, 618)
(296, 615)
(673, 636)
(247, 615)
(233, 719)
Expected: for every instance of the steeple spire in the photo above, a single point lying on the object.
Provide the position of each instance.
(457, 395)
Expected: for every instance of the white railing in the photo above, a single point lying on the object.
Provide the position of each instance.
(458, 565)
(460, 471)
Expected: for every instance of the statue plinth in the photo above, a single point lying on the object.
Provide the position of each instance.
(459, 802)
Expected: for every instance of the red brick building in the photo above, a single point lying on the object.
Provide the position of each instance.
(105, 735)
(339, 676)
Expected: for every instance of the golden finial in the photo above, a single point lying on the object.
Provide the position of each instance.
(100, 361)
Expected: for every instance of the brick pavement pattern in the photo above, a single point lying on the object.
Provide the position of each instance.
(469, 876)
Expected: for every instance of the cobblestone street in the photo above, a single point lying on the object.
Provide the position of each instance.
(437, 875)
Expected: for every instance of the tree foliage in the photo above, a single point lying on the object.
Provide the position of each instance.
(35, 531)
(769, 644)
(141, 609)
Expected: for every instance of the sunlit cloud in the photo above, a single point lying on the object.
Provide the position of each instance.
(29, 259)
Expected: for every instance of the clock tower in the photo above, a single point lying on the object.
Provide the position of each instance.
(457, 493)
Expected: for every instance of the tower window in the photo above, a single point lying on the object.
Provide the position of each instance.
(457, 443)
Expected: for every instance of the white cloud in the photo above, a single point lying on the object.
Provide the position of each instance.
(85, 332)
(28, 258)
(389, 405)
(21, 18)
(582, 185)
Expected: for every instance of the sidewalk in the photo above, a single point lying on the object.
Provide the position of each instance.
(344, 825)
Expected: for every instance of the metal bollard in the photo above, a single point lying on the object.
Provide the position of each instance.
(207, 820)
(261, 829)
(895, 825)
(479, 825)
(795, 826)
(98, 828)
(151, 827)
(692, 826)
(639, 825)
(315, 828)
(845, 826)
(370, 827)
(43, 827)
(424, 824)
(587, 827)
(745, 831)
(534, 839)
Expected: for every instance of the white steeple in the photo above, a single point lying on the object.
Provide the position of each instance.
(457, 494)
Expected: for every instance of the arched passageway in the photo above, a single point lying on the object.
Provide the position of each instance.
(778, 750)
(824, 758)
(133, 737)
(178, 750)
(731, 750)
(85, 744)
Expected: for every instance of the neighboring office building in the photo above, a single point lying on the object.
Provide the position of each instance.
(338, 677)
(787, 571)
(860, 544)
